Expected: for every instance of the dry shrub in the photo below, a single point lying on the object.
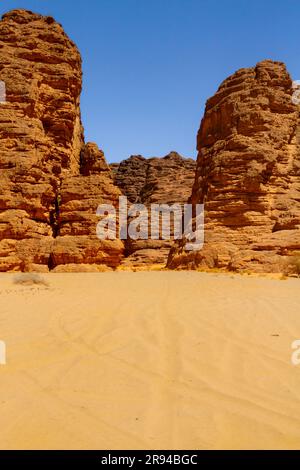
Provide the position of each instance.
(29, 279)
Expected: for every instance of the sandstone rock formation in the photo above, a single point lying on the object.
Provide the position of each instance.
(51, 182)
(248, 167)
(248, 174)
(165, 180)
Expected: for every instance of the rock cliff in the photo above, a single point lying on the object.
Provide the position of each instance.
(248, 174)
(51, 182)
(149, 181)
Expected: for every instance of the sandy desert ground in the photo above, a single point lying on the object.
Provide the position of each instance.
(153, 360)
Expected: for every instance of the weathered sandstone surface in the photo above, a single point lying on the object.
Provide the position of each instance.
(248, 174)
(51, 181)
(166, 180)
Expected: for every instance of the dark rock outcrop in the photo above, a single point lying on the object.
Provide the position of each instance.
(155, 180)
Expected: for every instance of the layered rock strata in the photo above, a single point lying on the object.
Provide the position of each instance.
(51, 182)
(166, 180)
(248, 174)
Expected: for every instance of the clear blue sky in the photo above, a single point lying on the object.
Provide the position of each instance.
(150, 65)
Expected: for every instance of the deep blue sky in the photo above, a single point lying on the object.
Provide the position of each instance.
(150, 65)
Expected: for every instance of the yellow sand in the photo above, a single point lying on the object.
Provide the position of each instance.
(149, 361)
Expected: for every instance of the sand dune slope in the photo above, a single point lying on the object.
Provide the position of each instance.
(149, 360)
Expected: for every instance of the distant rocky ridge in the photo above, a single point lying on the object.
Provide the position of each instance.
(51, 181)
(248, 174)
(148, 181)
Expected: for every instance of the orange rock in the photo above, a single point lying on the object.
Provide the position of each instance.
(51, 182)
(248, 174)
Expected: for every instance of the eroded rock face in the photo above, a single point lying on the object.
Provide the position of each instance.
(248, 174)
(165, 180)
(51, 182)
